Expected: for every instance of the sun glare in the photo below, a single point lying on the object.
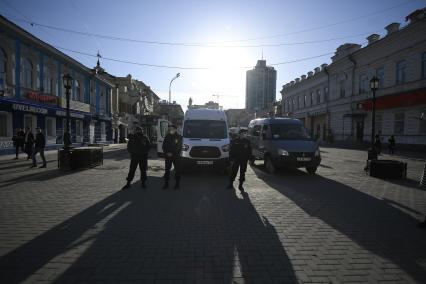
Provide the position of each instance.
(225, 75)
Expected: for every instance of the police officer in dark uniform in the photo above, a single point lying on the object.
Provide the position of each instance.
(239, 155)
(138, 147)
(172, 147)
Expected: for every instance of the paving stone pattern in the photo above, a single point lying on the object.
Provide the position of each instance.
(339, 226)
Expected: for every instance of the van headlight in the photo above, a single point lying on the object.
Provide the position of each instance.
(283, 152)
(317, 153)
(185, 147)
(225, 148)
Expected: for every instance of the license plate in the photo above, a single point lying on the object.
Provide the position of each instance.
(204, 162)
(303, 159)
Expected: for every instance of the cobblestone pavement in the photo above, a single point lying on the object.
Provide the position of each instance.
(339, 226)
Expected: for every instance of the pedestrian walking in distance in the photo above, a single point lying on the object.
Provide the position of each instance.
(28, 142)
(239, 154)
(39, 145)
(378, 144)
(391, 144)
(138, 147)
(18, 141)
(172, 147)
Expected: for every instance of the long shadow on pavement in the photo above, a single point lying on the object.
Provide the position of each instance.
(191, 235)
(371, 223)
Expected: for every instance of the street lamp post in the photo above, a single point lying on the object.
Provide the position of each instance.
(374, 85)
(67, 81)
(170, 87)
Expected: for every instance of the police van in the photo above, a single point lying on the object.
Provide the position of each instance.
(283, 143)
(205, 138)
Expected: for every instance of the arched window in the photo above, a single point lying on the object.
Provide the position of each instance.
(27, 73)
(77, 91)
(47, 80)
(3, 61)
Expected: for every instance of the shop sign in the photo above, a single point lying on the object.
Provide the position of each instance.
(47, 99)
(75, 105)
(72, 114)
(27, 108)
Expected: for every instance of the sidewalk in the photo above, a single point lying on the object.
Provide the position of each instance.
(14, 171)
(399, 154)
(23, 156)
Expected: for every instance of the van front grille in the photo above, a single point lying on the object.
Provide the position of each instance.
(204, 152)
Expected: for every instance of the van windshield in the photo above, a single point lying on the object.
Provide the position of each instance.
(211, 129)
(289, 132)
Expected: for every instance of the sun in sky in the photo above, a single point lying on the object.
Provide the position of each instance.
(225, 75)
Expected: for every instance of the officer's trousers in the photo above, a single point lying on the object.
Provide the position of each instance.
(136, 160)
(238, 164)
(175, 161)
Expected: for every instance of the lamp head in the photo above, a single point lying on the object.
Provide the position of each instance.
(67, 81)
(374, 83)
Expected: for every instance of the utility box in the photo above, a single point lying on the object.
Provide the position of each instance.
(389, 169)
(80, 158)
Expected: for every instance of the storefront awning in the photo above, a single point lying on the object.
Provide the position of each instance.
(406, 99)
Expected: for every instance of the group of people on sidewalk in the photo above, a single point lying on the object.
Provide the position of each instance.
(378, 144)
(139, 146)
(27, 143)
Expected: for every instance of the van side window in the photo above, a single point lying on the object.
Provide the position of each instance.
(256, 130)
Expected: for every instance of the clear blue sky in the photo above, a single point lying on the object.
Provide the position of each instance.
(205, 21)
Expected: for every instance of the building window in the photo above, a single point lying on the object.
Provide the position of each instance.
(312, 99)
(398, 127)
(78, 91)
(424, 65)
(400, 71)
(3, 68)
(27, 73)
(363, 84)
(47, 81)
(78, 128)
(380, 74)
(305, 99)
(342, 89)
(318, 97)
(30, 121)
(103, 131)
(50, 127)
(325, 93)
(5, 125)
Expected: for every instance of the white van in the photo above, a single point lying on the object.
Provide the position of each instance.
(205, 138)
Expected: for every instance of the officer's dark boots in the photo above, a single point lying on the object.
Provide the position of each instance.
(166, 185)
(176, 186)
(143, 184)
(126, 186)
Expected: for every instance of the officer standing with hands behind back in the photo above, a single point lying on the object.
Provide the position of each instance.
(239, 154)
(172, 147)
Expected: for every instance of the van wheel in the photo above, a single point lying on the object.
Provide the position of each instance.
(270, 168)
(311, 170)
